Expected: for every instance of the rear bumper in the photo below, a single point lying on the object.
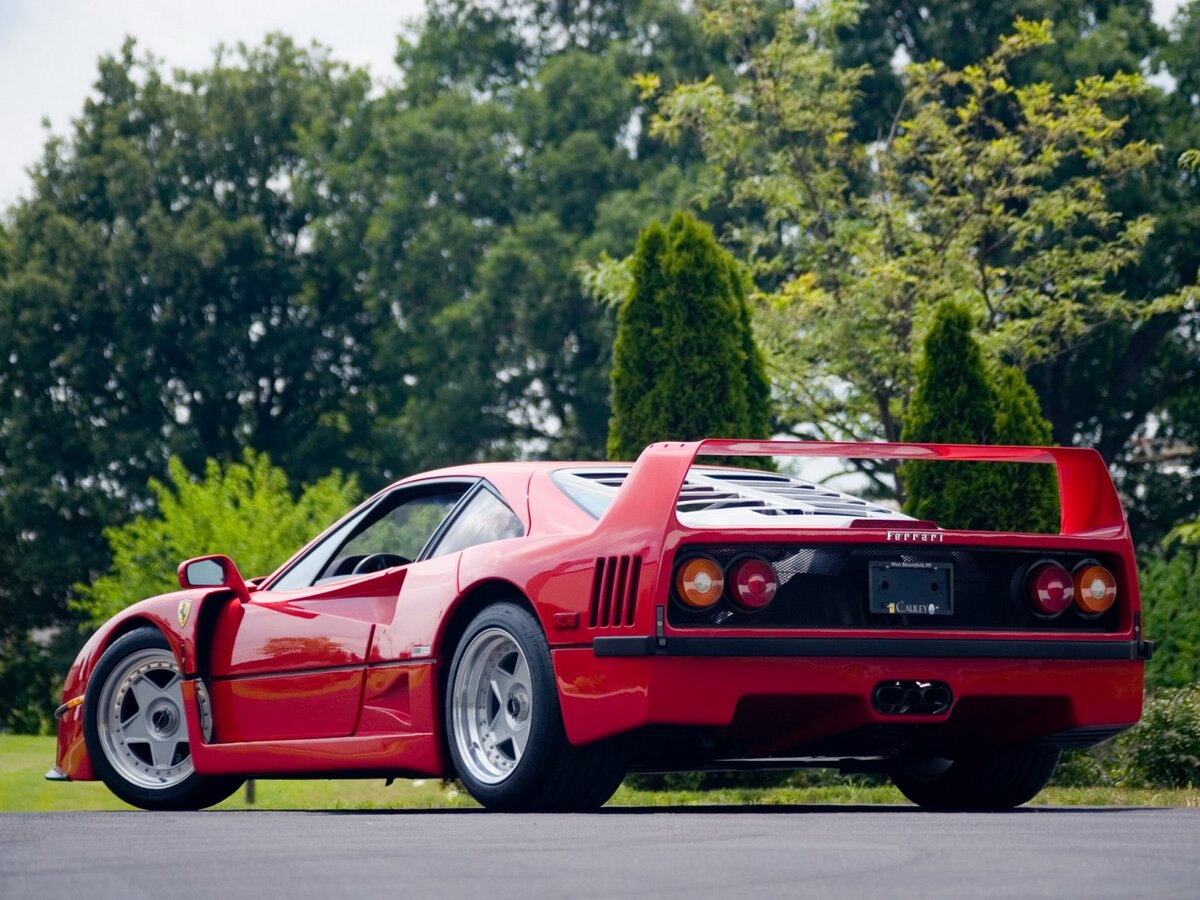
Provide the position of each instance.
(775, 701)
(858, 647)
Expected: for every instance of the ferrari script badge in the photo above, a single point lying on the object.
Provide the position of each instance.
(921, 537)
(185, 610)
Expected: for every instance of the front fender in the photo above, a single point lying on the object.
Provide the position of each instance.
(164, 612)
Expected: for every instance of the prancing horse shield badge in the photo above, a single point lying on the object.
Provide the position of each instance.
(185, 610)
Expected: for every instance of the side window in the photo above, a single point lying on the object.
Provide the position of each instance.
(485, 519)
(395, 537)
(305, 571)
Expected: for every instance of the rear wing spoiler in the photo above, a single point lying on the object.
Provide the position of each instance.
(1087, 497)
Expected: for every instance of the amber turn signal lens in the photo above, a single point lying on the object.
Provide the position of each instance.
(1051, 589)
(1095, 589)
(752, 584)
(699, 582)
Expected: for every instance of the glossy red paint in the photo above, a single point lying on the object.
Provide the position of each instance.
(388, 699)
(346, 676)
(159, 612)
(402, 750)
(282, 635)
(321, 704)
(430, 588)
(809, 699)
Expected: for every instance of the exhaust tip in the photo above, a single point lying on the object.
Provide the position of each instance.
(912, 698)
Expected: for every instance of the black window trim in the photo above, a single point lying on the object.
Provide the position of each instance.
(356, 517)
(482, 485)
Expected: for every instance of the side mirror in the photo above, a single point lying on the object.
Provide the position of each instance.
(213, 571)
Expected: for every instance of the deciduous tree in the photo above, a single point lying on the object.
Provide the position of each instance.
(981, 192)
(246, 510)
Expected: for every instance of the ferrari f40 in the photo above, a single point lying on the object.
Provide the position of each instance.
(540, 629)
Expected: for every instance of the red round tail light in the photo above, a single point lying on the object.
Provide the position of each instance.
(1051, 588)
(699, 582)
(1095, 589)
(752, 584)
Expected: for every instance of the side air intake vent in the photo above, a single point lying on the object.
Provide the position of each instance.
(614, 591)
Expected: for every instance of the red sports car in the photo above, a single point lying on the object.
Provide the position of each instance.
(539, 629)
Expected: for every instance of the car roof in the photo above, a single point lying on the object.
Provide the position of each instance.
(482, 469)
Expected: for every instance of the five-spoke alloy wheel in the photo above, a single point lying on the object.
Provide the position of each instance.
(141, 722)
(504, 726)
(492, 705)
(136, 729)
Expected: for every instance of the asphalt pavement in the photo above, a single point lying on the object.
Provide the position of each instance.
(828, 852)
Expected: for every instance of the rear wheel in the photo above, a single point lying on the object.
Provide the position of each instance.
(135, 729)
(504, 724)
(989, 779)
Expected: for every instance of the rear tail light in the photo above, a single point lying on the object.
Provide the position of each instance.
(752, 584)
(1095, 589)
(1050, 587)
(699, 582)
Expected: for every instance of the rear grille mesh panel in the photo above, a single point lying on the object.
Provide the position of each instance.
(826, 586)
(614, 591)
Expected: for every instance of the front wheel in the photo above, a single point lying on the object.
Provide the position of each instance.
(995, 778)
(135, 729)
(504, 725)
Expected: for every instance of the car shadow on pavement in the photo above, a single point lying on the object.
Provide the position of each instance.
(796, 809)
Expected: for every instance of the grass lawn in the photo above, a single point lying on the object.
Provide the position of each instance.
(24, 760)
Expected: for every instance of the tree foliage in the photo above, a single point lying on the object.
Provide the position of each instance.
(274, 252)
(685, 365)
(513, 151)
(172, 290)
(1028, 498)
(1090, 38)
(1163, 750)
(993, 195)
(244, 509)
(1129, 389)
(954, 403)
(957, 400)
(1170, 584)
(32, 668)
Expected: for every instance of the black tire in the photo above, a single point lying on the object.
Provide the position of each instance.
(996, 778)
(551, 775)
(187, 792)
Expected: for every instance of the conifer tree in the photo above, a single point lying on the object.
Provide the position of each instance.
(685, 365)
(1029, 492)
(957, 400)
(953, 403)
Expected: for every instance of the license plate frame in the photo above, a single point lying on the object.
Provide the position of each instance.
(911, 589)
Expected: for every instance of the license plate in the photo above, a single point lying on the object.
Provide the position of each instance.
(912, 589)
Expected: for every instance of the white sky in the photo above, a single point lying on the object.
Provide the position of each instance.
(49, 48)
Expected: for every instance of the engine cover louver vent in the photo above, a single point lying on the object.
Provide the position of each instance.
(614, 591)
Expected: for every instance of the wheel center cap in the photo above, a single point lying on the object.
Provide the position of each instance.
(517, 706)
(164, 720)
